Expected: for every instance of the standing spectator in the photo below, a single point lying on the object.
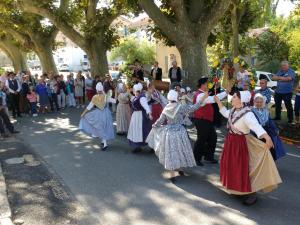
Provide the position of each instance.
(297, 104)
(242, 77)
(14, 88)
(32, 98)
(3, 93)
(95, 82)
(175, 73)
(4, 118)
(82, 78)
(61, 94)
(156, 72)
(35, 80)
(79, 84)
(264, 90)
(285, 80)
(54, 90)
(89, 87)
(41, 90)
(70, 91)
(109, 89)
(24, 104)
(138, 72)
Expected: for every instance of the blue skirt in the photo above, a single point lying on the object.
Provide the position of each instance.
(278, 150)
(98, 123)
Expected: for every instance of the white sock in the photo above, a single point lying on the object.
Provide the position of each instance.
(104, 143)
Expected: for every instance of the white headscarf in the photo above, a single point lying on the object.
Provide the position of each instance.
(182, 90)
(137, 87)
(188, 89)
(172, 96)
(99, 87)
(259, 95)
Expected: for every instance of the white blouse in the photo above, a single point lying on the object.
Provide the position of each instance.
(210, 99)
(246, 123)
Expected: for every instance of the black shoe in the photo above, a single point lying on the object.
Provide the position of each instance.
(276, 118)
(212, 161)
(291, 123)
(173, 180)
(136, 150)
(199, 163)
(104, 148)
(181, 173)
(151, 151)
(250, 200)
(15, 132)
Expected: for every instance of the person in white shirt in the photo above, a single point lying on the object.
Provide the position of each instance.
(96, 119)
(242, 77)
(14, 88)
(246, 164)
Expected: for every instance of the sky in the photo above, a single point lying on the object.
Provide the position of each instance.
(285, 7)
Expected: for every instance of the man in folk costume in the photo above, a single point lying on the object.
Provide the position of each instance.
(98, 122)
(203, 117)
(140, 123)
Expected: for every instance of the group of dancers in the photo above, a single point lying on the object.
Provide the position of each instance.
(251, 145)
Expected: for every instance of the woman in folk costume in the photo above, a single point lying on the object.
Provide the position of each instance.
(156, 102)
(246, 165)
(171, 142)
(184, 99)
(123, 110)
(140, 123)
(98, 122)
(262, 114)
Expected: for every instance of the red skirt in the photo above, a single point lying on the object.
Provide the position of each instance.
(90, 94)
(156, 111)
(234, 164)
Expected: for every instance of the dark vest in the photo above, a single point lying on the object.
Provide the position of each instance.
(13, 84)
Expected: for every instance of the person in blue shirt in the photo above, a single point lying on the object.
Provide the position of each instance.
(264, 90)
(285, 78)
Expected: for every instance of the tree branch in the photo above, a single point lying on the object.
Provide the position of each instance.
(212, 15)
(194, 10)
(74, 35)
(159, 18)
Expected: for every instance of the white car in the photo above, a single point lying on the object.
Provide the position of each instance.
(64, 67)
(271, 84)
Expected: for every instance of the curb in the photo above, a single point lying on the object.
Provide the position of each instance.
(5, 211)
(290, 141)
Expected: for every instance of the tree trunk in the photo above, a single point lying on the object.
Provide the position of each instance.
(194, 63)
(96, 52)
(235, 31)
(17, 57)
(44, 52)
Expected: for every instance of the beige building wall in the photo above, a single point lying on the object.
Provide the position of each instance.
(165, 56)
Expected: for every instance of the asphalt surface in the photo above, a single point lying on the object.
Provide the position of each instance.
(36, 195)
(117, 187)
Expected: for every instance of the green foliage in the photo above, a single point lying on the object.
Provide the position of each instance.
(271, 47)
(130, 49)
(294, 48)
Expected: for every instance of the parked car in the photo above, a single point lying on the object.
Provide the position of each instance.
(271, 84)
(64, 68)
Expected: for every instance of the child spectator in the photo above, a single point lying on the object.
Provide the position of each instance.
(32, 98)
(42, 91)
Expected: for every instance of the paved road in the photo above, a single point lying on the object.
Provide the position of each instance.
(118, 187)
